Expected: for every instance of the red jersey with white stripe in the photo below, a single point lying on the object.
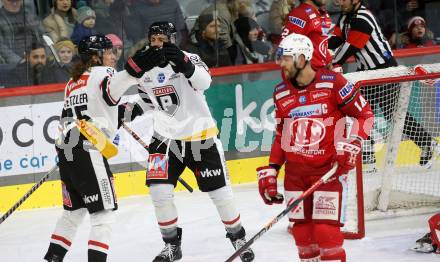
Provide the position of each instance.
(315, 24)
(311, 120)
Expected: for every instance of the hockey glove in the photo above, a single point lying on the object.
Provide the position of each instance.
(178, 60)
(144, 60)
(127, 112)
(267, 185)
(346, 155)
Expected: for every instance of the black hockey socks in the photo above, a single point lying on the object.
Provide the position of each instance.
(55, 253)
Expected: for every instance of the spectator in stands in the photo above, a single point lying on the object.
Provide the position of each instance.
(30, 71)
(109, 16)
(144, 12)
(61, 20)
(227, 12)
(278, 12)
(118, 49)
(206, 43)
(417, 35)
(250, 49)
(17, 31)
(86, 20)
(60, 73)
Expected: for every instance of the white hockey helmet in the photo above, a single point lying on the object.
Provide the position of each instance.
(295, 44)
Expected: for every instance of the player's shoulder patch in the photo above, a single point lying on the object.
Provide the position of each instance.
(196, 60)
(297, 21)
(346, 90)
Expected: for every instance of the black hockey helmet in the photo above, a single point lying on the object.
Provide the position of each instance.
(93, 45)
(165, 28)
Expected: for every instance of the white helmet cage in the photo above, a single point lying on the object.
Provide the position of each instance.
(295, 45)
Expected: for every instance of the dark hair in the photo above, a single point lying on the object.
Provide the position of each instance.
(69, 12)
(36, 45)
(80, 67)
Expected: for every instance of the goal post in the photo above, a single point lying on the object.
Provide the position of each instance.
(406, 105)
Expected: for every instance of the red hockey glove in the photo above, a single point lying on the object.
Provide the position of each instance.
(346, 155)
(267, 185)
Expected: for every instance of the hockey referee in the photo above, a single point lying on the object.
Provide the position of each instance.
(358, 33)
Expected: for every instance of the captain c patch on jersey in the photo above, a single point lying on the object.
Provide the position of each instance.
(167, 98)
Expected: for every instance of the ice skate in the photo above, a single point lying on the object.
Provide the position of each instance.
(238, 240)
(172, 250)
(424, 244)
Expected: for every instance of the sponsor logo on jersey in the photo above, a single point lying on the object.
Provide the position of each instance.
(312, 16)
(80, 83)
(306, 111)
(147, 79)
(302, 99)
(328, 77)
(161, 78)
(90, 199)
(309, 10)
(297, 21)
(280, 87)
(287, 102)
(324, 85)
(157, 166)
(346, 90)
(167, 98)
(319, 95)
(209, 173)
(282, 94)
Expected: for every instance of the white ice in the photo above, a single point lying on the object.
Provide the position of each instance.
(25, 235)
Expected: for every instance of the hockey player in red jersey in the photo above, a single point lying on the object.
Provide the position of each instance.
(430, 242)
(311, 19)
(311, 107)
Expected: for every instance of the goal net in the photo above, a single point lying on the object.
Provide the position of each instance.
(399, 170)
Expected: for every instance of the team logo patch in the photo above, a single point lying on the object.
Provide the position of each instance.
(67, 201)
(167, 99)
(157, 166)
(306, 111)
(297, 21)
(309, 10)
(319, 95)
(346, 90)
(161, 78)
(302, 99)
(328, 77)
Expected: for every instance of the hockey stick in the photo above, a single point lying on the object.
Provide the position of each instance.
(49, 43)
(144, 145)
(291, 206)
(28, 194)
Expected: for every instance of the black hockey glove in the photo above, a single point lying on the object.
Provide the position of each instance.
(178, 60)
(144, 60)
(127, 112)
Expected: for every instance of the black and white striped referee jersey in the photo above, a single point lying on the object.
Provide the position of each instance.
(358, 33)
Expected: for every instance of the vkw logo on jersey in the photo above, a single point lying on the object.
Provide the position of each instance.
(306, 111)
(346, 90)
(167, 98)
(157, 166)
(297, 21)
(161, 78)
(91, 199)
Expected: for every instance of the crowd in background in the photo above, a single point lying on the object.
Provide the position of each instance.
(239, 32)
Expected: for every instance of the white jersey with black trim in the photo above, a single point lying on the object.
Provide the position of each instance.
(180, 109)
(94, 97)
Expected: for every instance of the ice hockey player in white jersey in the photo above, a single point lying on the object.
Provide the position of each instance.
(185, 135)
(92, 94)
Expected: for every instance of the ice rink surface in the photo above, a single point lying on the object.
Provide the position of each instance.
(24, 236)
